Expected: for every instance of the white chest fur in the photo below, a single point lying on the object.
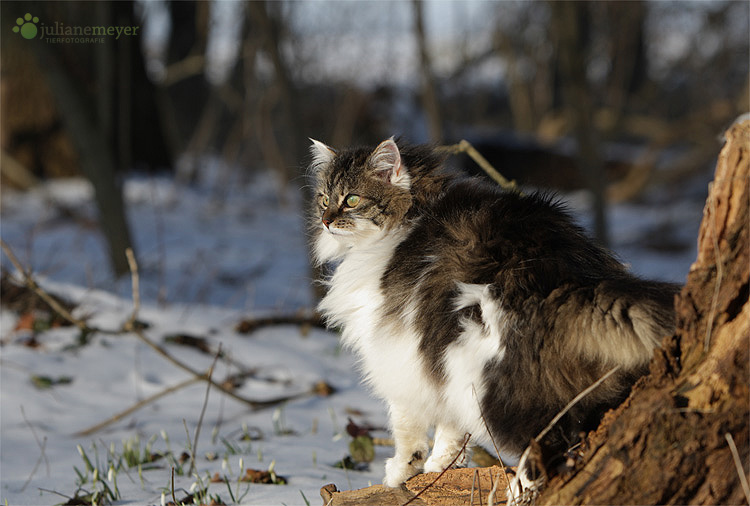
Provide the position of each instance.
(389, 352)
(388, 355)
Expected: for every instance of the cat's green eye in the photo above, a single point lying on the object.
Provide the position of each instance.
(352, 200)
(324, 200)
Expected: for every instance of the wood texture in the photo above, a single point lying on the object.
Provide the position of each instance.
(456, 487)
(668, 443)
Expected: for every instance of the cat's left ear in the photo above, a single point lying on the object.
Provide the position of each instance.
(321, 155)
(386, 162)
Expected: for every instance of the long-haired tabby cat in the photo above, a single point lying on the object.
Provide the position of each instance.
(473, 310)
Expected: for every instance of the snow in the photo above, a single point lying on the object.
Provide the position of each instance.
(209, 255)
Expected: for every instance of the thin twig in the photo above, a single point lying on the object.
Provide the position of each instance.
(203, 409)
(174, 499)
(255, 405)
(249, 325)
(42, 455)
(135, 283)
(487, 428)
(491, 496)
(467, 437)
(479, 486)
(135, 407)
(473, 481)
(465, 147)
(738, 465)
(33, 286)
(575, 401)
(138, 332)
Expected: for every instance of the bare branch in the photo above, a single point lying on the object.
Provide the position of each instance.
(209, 374)
(738, 465)
(42, 456)
(465, 147)
(135, 407)
(33, 286)
(467, 437)
(129, 327)
(135, 283)
(575, 401)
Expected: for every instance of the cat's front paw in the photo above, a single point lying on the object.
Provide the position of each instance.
(438, 465)
(398, 471)
(439, 462)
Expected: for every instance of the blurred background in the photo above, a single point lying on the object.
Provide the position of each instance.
(620, 106)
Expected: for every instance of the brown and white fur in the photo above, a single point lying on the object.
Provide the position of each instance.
(473, 310)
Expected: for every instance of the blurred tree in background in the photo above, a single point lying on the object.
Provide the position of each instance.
(546, 90)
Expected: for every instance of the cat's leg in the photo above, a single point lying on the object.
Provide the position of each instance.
(410, 436)
(449, 443)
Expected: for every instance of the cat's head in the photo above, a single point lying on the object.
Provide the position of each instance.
(358, 194)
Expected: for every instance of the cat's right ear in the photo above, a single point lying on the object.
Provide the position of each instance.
(321, 155)
(386, 161)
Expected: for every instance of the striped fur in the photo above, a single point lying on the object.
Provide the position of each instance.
(473, 310)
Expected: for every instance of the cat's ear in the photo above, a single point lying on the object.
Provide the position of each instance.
(321, 155)
(386, 162)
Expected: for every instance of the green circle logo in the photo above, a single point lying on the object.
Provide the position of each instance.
(27, 26)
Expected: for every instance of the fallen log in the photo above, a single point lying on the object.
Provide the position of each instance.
(456, 487)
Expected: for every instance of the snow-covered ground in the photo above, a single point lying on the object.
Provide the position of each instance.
(209, 256)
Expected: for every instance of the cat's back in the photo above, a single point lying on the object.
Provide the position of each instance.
(475, 232)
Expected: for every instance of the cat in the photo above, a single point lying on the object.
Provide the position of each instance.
(473, 310)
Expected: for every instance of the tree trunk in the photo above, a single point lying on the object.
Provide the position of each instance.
(672, 441)
(572, 38)
(430, 101)
(97, 160)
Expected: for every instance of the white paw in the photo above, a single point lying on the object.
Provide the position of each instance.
(434, 466)
(398, 471)
(439, 463)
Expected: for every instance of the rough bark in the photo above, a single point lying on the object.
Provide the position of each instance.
(669, 443)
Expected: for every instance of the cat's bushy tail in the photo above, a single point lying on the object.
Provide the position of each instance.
(620, 321)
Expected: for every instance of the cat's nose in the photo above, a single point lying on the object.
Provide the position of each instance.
(326, 222)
